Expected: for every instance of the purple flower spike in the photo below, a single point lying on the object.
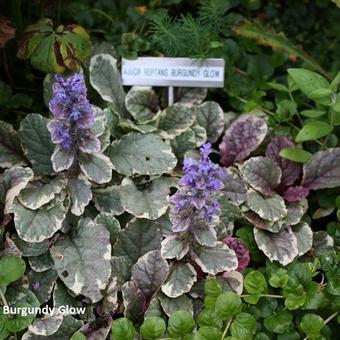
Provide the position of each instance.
(73, 115)
(196, 198)
(241, 251)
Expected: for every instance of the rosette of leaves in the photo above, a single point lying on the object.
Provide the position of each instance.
(55, 50)
(270, 191)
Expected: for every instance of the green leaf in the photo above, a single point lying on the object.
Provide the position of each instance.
(312, 324)
(136, 153)
(278, 322)
(36, 143)
(180, 280)
(79, 189)
(107, 200)
(170, 305)
(180, 323)
(227, 305)
(151, 202)
(82, 256)
(96, 167)
(12, 268)
(313, 130)
(243, 326)
(37, 225)
(322, 96)
(255, 284)
(122, 329)
(10, 149)
(41, 263)
(312, 113)
(208, 333)
(308, 81)
(279, 278)
(295, 154)
(105, 79)
(153, 327)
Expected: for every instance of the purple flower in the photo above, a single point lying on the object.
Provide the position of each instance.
(73, 115)
(241, 251)
(196, 198)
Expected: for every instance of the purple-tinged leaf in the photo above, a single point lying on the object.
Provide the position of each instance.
(150, 271)
(262, 174)
(290, 170)
(242, 137)
(281, 246)
(263, 224)
(241, 251)
(233, 187)
(134, 301)
(297, 193)
(322, 170)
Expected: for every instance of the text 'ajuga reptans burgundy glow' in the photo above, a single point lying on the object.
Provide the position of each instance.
(196, 198)
(73, 115)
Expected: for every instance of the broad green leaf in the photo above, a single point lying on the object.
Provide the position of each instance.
(211, 116)
(228, 305)
(176, 119)
(111, 224)
(208, 333)
(295, 155)
(180, 323)
(255, 284)
(105, 79)
(215, 259)
(279, 278)
(322, 96)
(312, 113)
(281, 246)
(312, 131)
(150, 271)
(137, 238)
(307, 81)
(278, 322)
(96, 167)
(36, 143)
(180, 280)
(82, 256)
(122, 329)
(12, 268)
(10, 149)
(136, 153)
(47, 325)
(153, 328)
(79, 189)
(107, 200)
(243, 327)
(142, 103)
(312, 324)
(37, 225)
(271, 209)
(151, 202)
(35, 195)
(31, 249)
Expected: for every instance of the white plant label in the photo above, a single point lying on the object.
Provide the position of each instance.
(179, 72)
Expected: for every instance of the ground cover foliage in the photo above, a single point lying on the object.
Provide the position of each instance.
(213, 218)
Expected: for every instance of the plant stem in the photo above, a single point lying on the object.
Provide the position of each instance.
(2, 296)
(266, 295)
(226, 328)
